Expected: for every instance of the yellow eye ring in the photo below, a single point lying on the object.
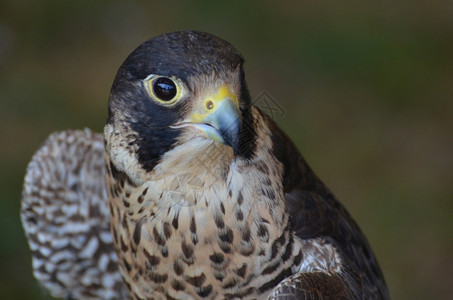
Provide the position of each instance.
(163, 89)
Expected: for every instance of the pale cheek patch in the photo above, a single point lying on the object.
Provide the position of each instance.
(123, 156)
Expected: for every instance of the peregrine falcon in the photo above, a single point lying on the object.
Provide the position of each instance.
(192, 192)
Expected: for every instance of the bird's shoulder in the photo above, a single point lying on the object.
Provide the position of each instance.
(316, 216)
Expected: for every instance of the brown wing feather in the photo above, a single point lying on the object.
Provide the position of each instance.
(66, 220)
(315, 212)
(312, 286)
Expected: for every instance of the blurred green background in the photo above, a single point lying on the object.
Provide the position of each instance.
(367, 91)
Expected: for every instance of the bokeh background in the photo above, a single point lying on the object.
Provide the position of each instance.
(366, 91)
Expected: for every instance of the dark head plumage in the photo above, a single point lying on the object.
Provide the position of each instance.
(192, 58)
(182, 54)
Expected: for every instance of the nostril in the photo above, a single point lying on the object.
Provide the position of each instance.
(209, 105)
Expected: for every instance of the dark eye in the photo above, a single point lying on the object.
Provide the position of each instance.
(164, 88)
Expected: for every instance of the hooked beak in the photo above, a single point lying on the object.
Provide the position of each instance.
(220, 120)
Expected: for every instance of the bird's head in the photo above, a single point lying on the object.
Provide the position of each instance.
(182, 90)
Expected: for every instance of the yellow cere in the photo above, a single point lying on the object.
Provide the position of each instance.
(211, 103)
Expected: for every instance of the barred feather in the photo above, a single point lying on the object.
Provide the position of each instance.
(66, 220)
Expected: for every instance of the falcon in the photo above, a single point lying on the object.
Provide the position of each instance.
(191, 193)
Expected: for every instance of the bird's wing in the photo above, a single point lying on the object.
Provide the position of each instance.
(316, 215)
(314, 285)
(66, 219)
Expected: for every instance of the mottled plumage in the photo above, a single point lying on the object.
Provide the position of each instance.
(66, 220)
(206, 196)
